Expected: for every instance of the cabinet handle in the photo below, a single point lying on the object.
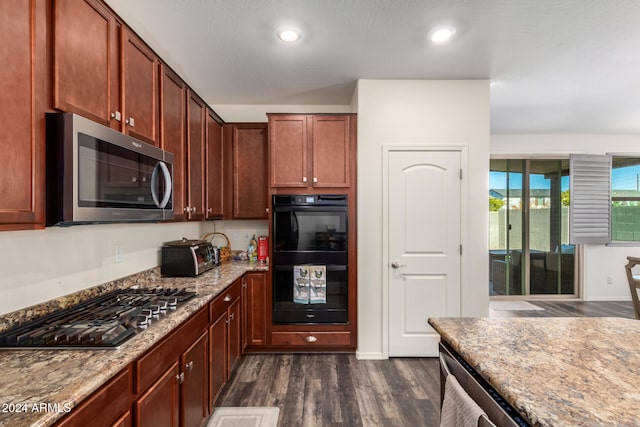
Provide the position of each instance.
(186, 209)
(180, 378)
(232, 316)
(315, 179)
(189, 366)
(304, 179)
(193, 209)
(227, 298)
(130, 122)
(116, 115)
(310, 339)
(209, 210)
(226, 321)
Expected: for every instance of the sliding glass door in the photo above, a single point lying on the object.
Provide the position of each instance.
(529, 252)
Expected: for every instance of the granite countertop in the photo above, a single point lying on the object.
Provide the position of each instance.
(40, 386)
(555, 371)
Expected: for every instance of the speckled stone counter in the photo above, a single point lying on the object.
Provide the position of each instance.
(40, 386)
(555, 371)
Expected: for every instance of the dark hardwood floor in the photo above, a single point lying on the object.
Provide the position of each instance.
(339, 390)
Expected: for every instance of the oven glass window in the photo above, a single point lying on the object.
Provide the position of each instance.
(289, 309)
(112, 176)
(307, 230)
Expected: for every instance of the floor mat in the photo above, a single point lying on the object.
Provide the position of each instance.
(244, 417)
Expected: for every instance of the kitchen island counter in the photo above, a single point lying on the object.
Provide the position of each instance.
(40, 386)
(555, 371)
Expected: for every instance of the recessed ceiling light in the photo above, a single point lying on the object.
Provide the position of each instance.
(442, 33)
(289, 34)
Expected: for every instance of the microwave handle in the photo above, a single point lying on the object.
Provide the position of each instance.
(167, 178)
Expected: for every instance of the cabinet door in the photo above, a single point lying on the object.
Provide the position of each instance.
(194, 364)
(250, 171)
(22, 84)
(235, 331)
(124, 421)
(288, 151)
(217, 357)
(85, 61)
(173, 95)
(331, 151)
(140, 88)
(256, 309)
(159, 406)
(214, 167)
(196, 155)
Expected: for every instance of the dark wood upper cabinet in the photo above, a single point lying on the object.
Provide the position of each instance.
(140, 88)
(250, 199)
(22, 84)
(214, 168)
(330, 159)
(288, 151)
(310, 151)
(86, 78)
(196, 157)
(173, 95)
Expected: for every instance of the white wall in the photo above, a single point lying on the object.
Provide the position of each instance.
(39, 265)
(392, 112)
(599, 261)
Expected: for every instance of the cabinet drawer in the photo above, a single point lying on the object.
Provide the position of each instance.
(225, 299)
(311, 339)
(105, 406)
(157, 360)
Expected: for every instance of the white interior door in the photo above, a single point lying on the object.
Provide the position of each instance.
(424, 192)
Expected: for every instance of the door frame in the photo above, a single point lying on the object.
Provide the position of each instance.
(462, 149)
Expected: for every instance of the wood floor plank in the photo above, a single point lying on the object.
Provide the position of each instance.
(339, 390)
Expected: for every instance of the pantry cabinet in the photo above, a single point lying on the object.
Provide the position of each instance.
(247, 176)
(22, 141)
(311, 151)
(173, 95)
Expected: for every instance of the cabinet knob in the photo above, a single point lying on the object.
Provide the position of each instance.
(267, 210)
(232, 316)
(180, 378)
(116, 115)
(315, 179)
(189, 366)
(130, 122)
(227, 298)
(209, 210)
(187, 209)
(193, 209)
(304, 179)
(310, 339)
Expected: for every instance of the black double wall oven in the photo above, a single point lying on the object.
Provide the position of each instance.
(309, 262)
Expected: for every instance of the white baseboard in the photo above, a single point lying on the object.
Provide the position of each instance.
(624, 298)
(370, 355)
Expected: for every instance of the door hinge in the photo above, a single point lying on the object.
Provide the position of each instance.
(460, 249)
(461, 174)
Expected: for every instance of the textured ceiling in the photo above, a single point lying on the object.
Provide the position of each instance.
(568, 66)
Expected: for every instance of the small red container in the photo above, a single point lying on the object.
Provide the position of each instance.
(263, 248)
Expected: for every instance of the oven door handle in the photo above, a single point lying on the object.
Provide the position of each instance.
(154, 180)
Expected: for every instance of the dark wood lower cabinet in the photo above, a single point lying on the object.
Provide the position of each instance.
(194, 409)
(159, 406)
(217, 357)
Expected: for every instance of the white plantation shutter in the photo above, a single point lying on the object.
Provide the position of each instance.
(590, 208)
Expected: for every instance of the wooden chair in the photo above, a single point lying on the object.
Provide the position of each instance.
(634, 283)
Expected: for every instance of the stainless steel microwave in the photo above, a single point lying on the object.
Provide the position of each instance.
(98, 175)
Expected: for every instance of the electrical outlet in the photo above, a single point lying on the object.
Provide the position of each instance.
(610, 279)
(119, 255)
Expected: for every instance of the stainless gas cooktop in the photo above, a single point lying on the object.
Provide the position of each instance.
(104, 322)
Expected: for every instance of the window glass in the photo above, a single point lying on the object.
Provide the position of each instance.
(625, 199)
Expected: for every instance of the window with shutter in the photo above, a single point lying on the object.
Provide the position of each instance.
(590, 208)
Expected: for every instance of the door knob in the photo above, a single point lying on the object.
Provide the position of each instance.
(396, 265)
